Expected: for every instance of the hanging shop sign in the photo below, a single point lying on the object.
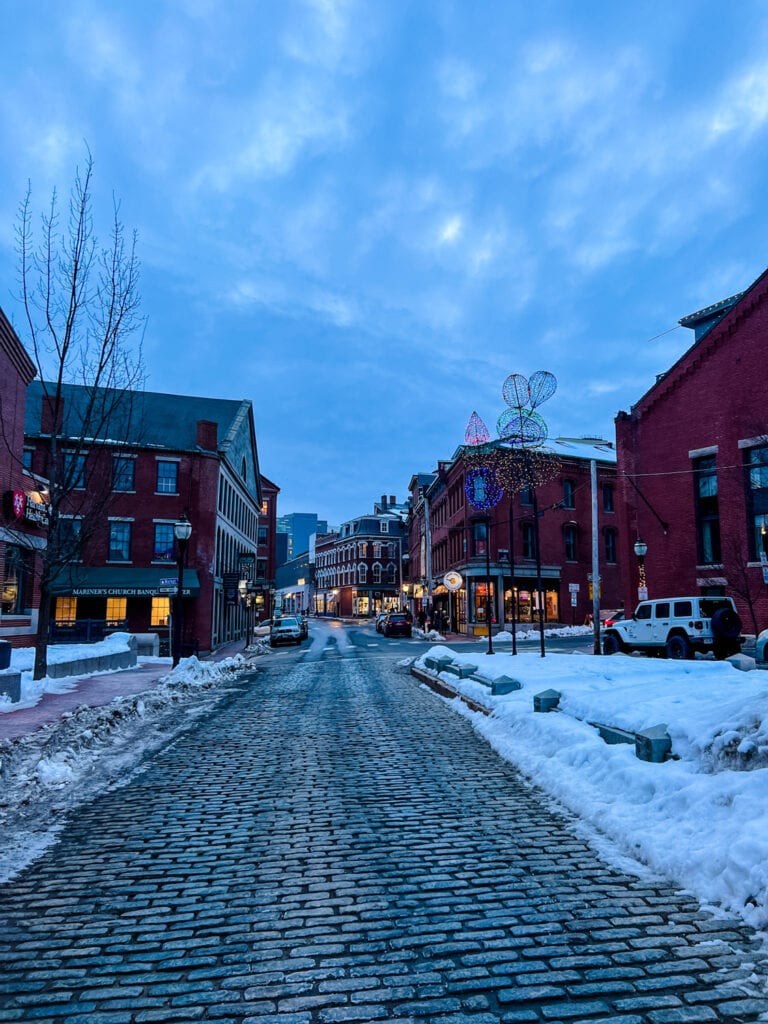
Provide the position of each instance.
(19, 505)
(230, 583)
(246, 563)
(453, 580)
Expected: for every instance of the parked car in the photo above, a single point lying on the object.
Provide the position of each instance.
(285, 631)
(608, 618)
(678, 627)
(380, 620)
(397, 624)
(304, 624)
(262, 628)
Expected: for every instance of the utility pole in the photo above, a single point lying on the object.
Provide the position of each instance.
(595, 561)
(428, 552)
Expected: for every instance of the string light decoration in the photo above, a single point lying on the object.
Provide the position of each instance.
(516, 460)
(482, 488)
(513, 463)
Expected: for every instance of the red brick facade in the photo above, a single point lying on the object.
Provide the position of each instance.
(684, 452)
(455, 541)
(126, 570)
(20, 534)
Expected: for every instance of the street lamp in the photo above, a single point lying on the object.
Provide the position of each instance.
(488, 604)
(641, 549)
(182, 530)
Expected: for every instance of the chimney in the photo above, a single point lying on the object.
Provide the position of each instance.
(383, 503)
(207, 435)
(392, 499)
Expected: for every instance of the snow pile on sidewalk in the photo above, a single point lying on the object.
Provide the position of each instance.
(46, 773)
(700, 819)
(23, 661)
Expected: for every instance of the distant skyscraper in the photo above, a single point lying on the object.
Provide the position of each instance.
(299, 527)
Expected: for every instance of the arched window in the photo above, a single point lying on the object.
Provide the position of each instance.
(608, 503)
(362, 573)
(529, 541)
(377, 573)
(569, 500)
(570, 536)
(391, 573)
(610, 545)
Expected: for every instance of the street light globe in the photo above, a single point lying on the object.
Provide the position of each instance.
(641, 548)
(182, 528)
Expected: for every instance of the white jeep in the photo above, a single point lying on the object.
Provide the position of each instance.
(678, 627)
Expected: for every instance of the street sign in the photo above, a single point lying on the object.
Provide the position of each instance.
(453, 580)
(574, 599)
(167, 590)
(573, 588)
(171, 581)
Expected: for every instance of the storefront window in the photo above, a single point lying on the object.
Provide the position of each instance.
(528, 605)
(117, 610)
(161, 610)
(17, 580)
(65, 612)
(478, 593)
(361, 605)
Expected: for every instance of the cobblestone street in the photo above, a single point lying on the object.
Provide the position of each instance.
(335, 844)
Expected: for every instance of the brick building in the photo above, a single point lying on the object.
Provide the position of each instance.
(693, 463)
(447, 534)
(361, 569)
(266, 550)
(23, 516)
(178, 456)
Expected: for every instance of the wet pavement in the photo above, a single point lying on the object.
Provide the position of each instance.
(334, 844)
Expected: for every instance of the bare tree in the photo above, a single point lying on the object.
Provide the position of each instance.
(744, 580)
(84, 333)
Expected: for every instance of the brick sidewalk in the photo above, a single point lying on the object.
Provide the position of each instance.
(94, 691)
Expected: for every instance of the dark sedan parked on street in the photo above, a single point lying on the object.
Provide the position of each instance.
(396, 624)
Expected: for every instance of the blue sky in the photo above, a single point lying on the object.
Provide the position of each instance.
(364, 215)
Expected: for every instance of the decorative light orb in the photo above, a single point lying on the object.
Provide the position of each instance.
(515, 390)
(521, 426)
(482, 488)
(541, 387)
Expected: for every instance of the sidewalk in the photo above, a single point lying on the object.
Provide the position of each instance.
(94, 691)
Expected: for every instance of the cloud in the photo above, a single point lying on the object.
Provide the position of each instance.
(331, 34)
(449, 230)
(742, 108)
(267, 135)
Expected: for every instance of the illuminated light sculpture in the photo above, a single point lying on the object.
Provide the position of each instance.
(482, 488)
(513, 463)
(483, 493)
(476, 432)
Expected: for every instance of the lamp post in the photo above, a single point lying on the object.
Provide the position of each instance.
(182, 530)
(641, 549)
(512, 570)
(488, 606)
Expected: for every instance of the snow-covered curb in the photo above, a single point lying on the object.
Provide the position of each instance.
(700, 820)
(45, 773)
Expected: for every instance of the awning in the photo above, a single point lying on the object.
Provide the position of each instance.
(125, 581)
